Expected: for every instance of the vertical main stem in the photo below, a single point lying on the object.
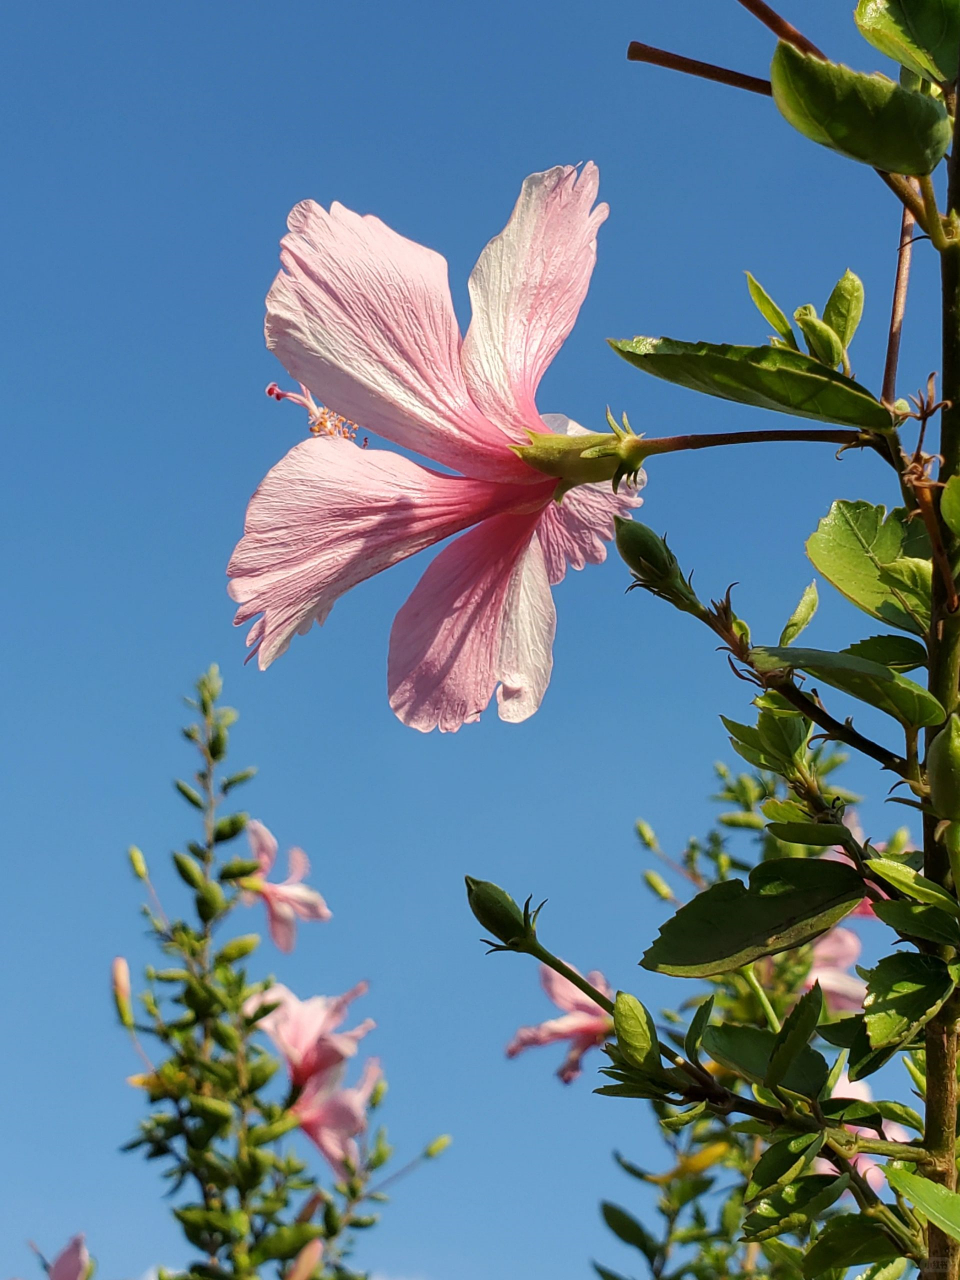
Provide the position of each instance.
(941, 1032)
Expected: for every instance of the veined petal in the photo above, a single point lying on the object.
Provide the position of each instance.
(72, 1262)
(571, 1026)
(568, 997)
(263, 845)
(329, 515)
(526, 291)
(363, 317)
(472, 620)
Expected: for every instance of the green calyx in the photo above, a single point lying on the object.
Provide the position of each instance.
(592, 458)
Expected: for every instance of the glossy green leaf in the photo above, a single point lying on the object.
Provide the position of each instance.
(914, 884)
(918, 920)
(822, 343)
(794, 1035)
(782, 1162)
(698, 1024)
(747, 1051)
(789, 902)
(774, 317)
(869, 118)
(904, 992)
(887, 690)
(938, 1204)
(885, 1270)
(898, 653)
(284, 1243)
(766, 377)
(902, 1114)
(820, 834)
(862, 551)
(626, 1228)
(922, 35)
(846, 1240)
(801, 616)
(789, 1207)
(636, 1033)
(864, 1060)
(950, 505)
(844, 307)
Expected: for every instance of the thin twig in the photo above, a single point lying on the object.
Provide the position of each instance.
(838, 730)
(898, 310)
(907, 194)
(637, 52)
(781, 28)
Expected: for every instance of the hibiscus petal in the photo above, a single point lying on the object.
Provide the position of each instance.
(298, 866)
(363, 317)
(570, 1026)
(449, 639)
(526, 291)
(330, 515)
(564, 994)
(281, 921)
(263, 845)
(72, 1262)
(838, 949)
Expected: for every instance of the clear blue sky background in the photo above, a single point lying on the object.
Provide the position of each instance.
(152, 153)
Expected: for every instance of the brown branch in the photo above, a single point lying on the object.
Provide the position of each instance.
(841, 732)
(781, 28)
(638, 52)
(898, 310)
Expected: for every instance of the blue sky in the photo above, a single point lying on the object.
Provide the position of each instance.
(152, 153)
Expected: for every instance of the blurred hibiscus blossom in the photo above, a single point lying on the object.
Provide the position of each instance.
(363, 319)
(859, 1091)
(834, 955)
(584, 1023)
(305, 1031)
(289, 899)
(333, 1118)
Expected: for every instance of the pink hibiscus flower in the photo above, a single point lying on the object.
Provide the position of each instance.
(866, 1165)
(584, 1023)
(72, 1263)
(833, 956)
(333, 1118)
(289, 899)
(305, 1031)
(363, 318)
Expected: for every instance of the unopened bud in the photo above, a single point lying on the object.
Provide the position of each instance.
(379, 1093)
(497, 912)
(138, 862)
(306, 1261)
(121, 991)
(943, 770)
(437, 1146)
(653, 564)
(658, 885)
(648, 836)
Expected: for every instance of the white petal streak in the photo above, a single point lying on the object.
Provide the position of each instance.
(529, 625)
(526, 291)
(363, 317)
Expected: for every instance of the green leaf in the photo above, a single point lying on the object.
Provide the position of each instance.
(938, 1204)
(284, 1242)
(636, 1034)
(846, 1240)
(922, 35)
(789, 1207)
(845, 307)
(864, 1059)
(950, 505)
(798, 1027)
(626, 1228)
(774, 317)
(747, 1052)
(605, 1273)
(821, 834)
(789, 902)
(766, 377)
(698, 1024)
(230, 826)
(917, 920)
(914, 884)
(902, 1114)
(745, 740)
(189, 794)
(887, 690)
(897, 653)
(860, 550)
(885, 1270)
(801, 616)
(822, 343)
(782, 1162)
(783, 736)
(190, 872)
(865, 117)
(904, 992)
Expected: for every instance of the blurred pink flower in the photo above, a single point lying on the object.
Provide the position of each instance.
(851, 820)
(584, 1023)
(866, 1165)
(289, 899)
(305, 1031)
(834, 955)
(363, 318)
(72, 1263)
(333, 1118)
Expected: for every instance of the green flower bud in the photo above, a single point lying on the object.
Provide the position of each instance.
(120, 974)
(261, 1134)
(238, 948)
(498, 913)
(138, 862)
(648, 837)
(658, 885)
(210, 902)
(189, 871)
(943, 770)
(230, 826)
(437, 1146)
(379, 1093)
(654, 565)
